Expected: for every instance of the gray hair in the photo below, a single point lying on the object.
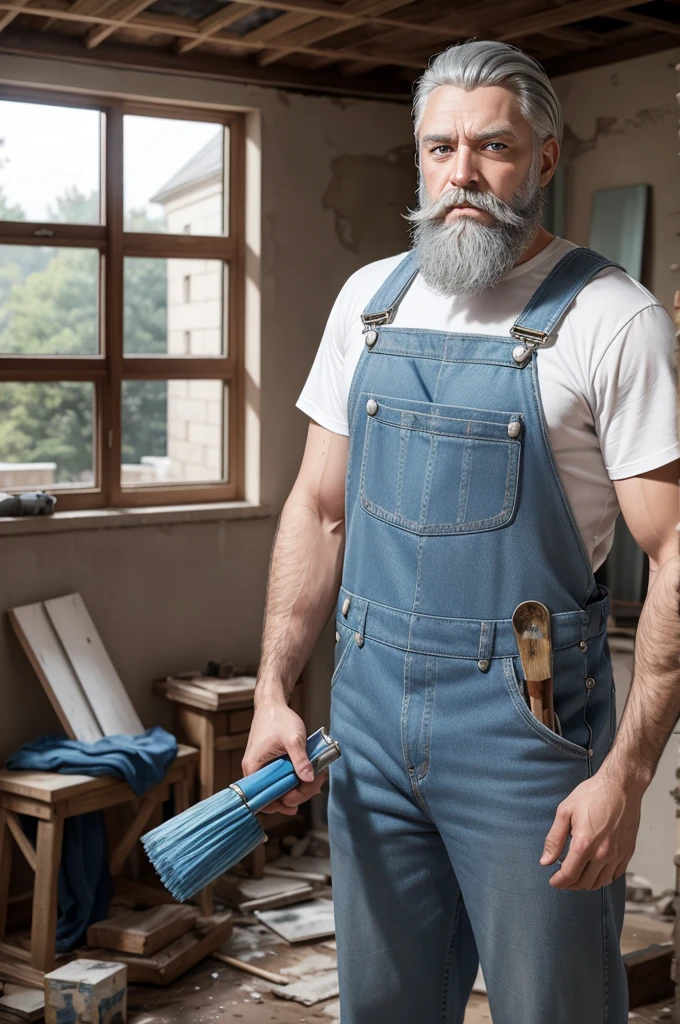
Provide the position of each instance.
(485, 62)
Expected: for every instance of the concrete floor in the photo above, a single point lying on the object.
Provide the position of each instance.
(214, 992)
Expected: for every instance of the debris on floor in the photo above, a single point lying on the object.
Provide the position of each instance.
(19, 1003)
(302, 923)
(311, 989)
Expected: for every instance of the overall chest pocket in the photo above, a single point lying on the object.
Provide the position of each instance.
(437, 469)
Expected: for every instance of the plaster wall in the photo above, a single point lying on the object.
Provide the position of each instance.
(333, 176)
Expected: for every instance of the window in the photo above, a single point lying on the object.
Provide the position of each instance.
(121, 333)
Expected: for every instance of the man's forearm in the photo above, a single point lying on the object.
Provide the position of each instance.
(653, 704)
(304, 577)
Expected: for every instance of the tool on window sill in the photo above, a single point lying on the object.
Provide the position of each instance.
(531, 623)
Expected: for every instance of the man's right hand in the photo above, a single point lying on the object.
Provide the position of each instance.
(275, 732)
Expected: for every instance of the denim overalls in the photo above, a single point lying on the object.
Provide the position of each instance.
(448, 785)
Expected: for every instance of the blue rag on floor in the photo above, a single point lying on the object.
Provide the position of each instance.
(84, 879)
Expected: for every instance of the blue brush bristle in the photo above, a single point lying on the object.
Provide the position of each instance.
(192, 849)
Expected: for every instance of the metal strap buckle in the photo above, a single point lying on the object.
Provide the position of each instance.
(377, 319)
(528, 335)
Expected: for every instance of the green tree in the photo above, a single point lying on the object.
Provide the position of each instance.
(50, 307)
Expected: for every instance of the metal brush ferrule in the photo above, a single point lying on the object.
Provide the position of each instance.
(327, 756)
(237, 789)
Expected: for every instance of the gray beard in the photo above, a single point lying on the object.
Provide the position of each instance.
(466, 257)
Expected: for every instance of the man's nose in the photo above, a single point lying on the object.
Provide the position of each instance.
(463, 172)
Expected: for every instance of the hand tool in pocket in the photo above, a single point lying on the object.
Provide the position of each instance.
(531, 623)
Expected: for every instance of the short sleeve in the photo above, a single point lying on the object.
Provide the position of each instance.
(323, 398)
(633, 396)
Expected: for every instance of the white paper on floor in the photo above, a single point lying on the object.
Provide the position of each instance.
(302, 922)
(480, 984)
(312, 989)
(333, 1009)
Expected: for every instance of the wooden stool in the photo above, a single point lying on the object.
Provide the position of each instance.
(51, 798)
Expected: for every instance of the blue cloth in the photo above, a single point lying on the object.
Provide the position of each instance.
(84, 889)
(448, 785)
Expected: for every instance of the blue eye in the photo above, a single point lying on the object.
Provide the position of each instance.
(500, 144)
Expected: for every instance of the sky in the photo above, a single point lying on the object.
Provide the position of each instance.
(48, 149)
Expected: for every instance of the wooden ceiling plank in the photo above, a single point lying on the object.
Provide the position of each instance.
(324, 28)
(202, 65)
(213, 23)
(556, 17)
(525, 25)
(653, 24)
(273, 29)
(124, 11)
(105, 25)
(467, 21)
(9, 16)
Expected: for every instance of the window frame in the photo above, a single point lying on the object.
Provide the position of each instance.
(110, 367)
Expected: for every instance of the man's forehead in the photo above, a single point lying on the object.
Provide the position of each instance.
(450, 108)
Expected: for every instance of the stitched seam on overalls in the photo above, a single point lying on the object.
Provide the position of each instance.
(449, 957)
(403, 445)
(508, 672)
(426, 724)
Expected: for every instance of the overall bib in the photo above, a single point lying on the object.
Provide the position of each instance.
(447, 787)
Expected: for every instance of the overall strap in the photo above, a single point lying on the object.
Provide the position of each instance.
(555, 294)
(383, 306)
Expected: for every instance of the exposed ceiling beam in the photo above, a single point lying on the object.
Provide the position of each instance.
(324, 28)
(123, 11)
(215, 66)
(467, 22)
(556, 17)
(608, 54)
(160, 23)
(9, 16)
(525, 25)
(279, 26)
(208, 26)
(653, 24)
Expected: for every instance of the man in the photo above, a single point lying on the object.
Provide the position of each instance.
(481, 408)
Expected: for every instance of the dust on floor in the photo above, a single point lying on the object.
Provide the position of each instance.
(214, 992)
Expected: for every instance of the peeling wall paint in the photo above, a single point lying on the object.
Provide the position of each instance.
(621, 129)
(368, 196)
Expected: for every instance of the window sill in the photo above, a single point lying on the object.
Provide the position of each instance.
(110, 518)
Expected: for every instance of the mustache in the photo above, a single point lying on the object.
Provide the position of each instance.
(436, 209)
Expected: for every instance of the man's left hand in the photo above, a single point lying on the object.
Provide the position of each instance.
(603, 817)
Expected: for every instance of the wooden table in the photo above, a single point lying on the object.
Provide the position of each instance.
(51, 798)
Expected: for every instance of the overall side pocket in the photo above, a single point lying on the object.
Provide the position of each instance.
(344, 643)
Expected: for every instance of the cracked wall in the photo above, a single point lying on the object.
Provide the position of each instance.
(621, 129)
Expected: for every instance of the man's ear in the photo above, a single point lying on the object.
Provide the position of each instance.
(550, 154)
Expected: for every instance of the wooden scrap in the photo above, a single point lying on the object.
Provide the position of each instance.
(303, 923)
(86, 991)
(21, 973)
(313, 869)
(169, 963)
(311, 989)
(250, 894)
(278, 979)
(649, 974)
(313, 963)
(24, 1003)
(143, 931)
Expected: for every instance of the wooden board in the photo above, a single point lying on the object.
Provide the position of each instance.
(649, 974)
(303, 923)
(61, 684)
(24, 1003)
(199, 697)
(143, 931)
(86, 652)
(169, 963)
(21, 973)
(263, 893)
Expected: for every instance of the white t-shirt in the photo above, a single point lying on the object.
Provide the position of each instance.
(606, 373)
